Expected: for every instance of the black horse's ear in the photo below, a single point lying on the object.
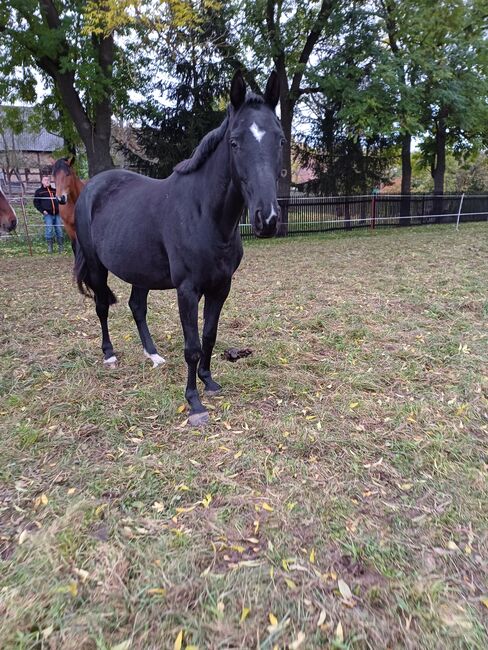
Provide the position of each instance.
(237, 90)
(272, 92)
(71, 160)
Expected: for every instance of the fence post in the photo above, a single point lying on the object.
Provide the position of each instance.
(373, 211)
(24, 214)
(459, 211)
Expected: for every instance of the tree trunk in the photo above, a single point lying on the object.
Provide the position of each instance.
(438, 168)
(406, 180)
(287, 105)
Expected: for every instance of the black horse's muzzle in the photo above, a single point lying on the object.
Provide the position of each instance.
(62, 200)
(12, 225)
(266, 226)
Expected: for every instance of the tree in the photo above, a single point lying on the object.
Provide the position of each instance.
(352, 123)
(79, 69)
(440, 52)
(286, 35)
(193, 93)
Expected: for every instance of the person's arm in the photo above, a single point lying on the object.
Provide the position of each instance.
(39, 202)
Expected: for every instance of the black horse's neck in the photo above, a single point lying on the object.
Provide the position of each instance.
(226, 202)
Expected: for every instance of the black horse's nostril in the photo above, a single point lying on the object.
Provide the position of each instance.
(259, 219)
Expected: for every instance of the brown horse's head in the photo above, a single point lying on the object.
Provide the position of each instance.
(68, 189)
(64, 179)
(8, 220)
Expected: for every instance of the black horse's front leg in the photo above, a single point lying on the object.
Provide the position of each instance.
(188, 300)
(211, 314)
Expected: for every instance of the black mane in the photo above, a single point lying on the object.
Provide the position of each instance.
(210, 142)
(61, 165)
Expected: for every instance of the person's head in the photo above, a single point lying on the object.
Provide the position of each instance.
(46, 181)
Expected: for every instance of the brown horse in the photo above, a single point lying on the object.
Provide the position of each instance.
(68, 189)
(8, 219)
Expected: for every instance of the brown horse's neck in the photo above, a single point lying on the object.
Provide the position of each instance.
(78, 185)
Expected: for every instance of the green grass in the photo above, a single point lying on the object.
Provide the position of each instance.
(350, 446)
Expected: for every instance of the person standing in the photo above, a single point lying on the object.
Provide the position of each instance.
(46, 202)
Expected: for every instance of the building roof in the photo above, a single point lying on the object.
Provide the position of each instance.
(41, 140)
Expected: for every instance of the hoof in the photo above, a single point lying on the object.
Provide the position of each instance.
(198, 419)
(155, 358)
(111, 362)
(212, 393)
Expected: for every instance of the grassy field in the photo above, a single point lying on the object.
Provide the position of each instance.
(337, 499)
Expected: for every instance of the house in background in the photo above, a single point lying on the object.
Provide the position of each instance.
(24, 155)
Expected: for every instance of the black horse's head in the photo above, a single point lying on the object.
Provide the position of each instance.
(256, 141)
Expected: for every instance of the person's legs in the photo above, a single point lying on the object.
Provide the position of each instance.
(49, 231)
(58, 227)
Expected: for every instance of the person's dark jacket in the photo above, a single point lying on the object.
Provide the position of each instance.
(45, 200)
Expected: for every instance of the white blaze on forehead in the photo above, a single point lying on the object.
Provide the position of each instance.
(256, 131)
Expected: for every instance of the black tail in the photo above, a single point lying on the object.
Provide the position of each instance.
(82, 277)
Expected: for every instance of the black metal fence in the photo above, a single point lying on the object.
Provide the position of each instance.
(311, 214)
(320, 214)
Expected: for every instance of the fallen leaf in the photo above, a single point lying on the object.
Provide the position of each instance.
(23, 536)
(46, 632)
(244, 614)
(81, 573)
(344, 589)
(353, 405)
(291, 584)
(181, 408)
(484, 601)
(157, 591)
(312, 556)
(452, 546)
(178, 640)
(273, 620)
(238, 454)
(405, 487)
(267, 507)
(206, 500)
(322, 617)
(339, 633)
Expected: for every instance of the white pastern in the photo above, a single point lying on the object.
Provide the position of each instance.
(156, 359)
(111, 362)
(257, 132)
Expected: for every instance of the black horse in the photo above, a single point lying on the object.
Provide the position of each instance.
(183, 232)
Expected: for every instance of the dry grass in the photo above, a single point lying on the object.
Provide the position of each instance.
(348, 452)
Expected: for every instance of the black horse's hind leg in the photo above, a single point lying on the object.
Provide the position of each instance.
(138, 306)
(98, 280)
(211, 314)
(188, 300)
(102, 304)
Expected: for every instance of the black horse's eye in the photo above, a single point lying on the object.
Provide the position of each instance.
(233, 143)
(282, 142)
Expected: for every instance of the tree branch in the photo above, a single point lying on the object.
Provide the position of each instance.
(314, 35)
